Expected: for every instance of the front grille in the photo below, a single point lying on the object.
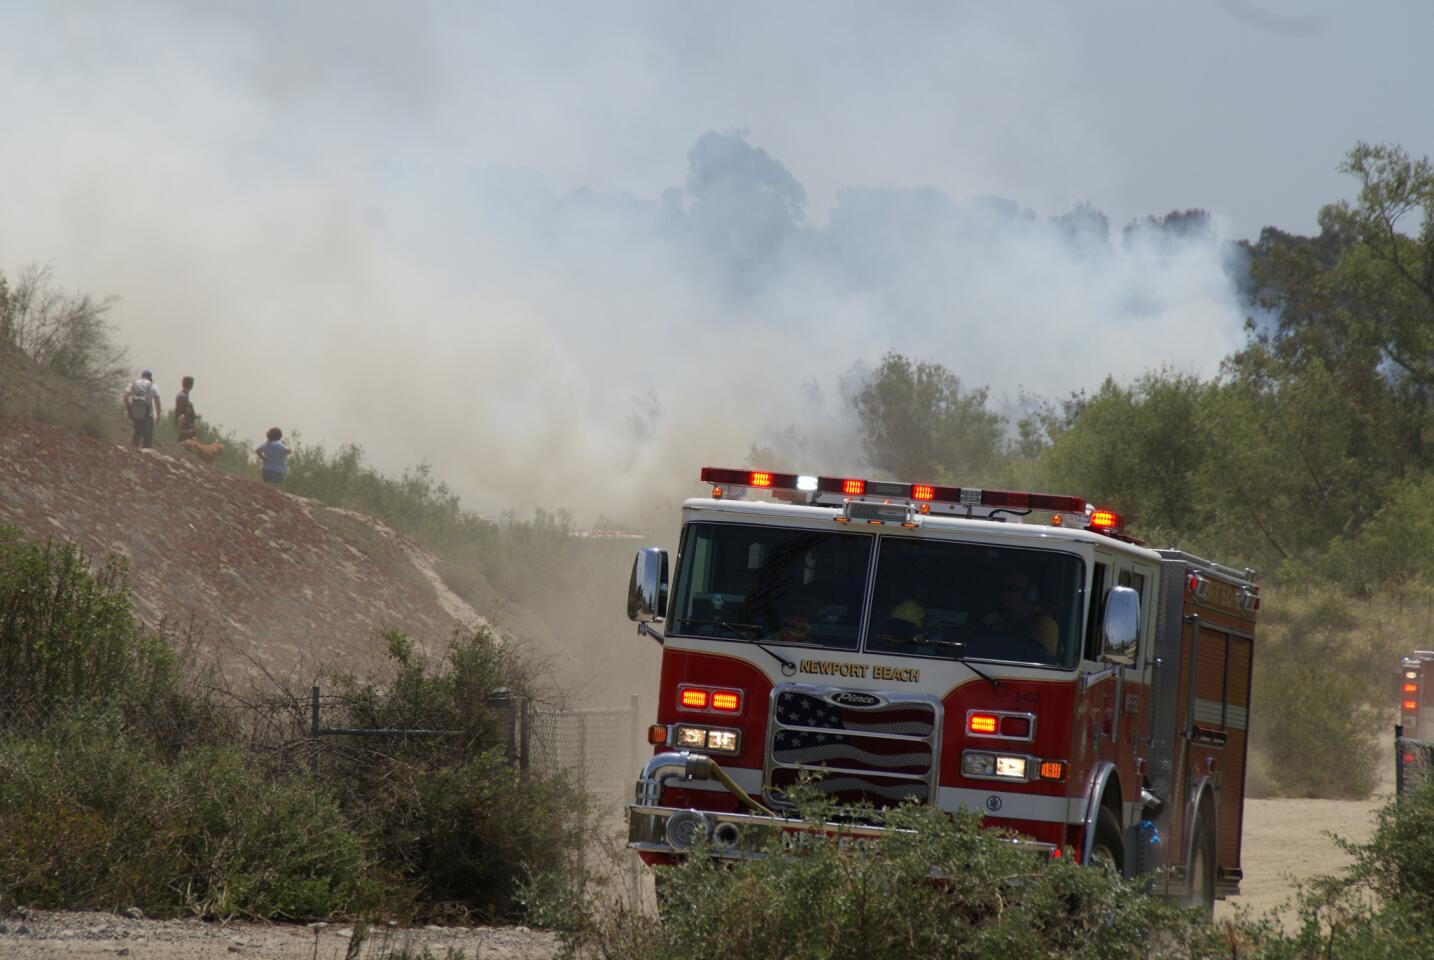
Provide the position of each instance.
(860, 747)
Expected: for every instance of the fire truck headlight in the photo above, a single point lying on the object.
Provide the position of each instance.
(1013, 767)
(691, 737)
(978, 765)
(722, 741)
(707, 739)
(1000, 766)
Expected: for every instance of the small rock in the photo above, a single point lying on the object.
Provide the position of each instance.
(234, 948)
(344, 932)
(68, 934)
(122, 951)
(317, 926)
(433, 926)
(22, 912)
(135, 912)
(22, 930)
(4, 929)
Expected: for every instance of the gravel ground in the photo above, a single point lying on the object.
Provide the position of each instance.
(36, 934)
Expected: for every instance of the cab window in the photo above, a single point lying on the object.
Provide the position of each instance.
(771, 584)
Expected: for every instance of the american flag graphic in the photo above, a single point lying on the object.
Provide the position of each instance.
(880, 754)
(805, 710)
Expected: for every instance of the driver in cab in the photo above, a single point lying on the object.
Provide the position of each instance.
(1020, 612)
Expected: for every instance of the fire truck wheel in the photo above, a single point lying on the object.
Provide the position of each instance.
(1202, 870)
(1107, 850)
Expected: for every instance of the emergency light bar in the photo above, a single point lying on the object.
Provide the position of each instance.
(924, 497)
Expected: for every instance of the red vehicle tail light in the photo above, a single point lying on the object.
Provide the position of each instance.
(1411, 705)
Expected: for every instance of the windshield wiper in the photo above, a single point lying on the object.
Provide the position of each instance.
(996, 685)
(788, 667)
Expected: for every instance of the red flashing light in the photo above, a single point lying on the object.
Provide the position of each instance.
(709, 700)
(1411, 688)
(727, 701)
(982, 723)
(1411, 705)
(1407, 757)
(923, 493)
(1104, 520)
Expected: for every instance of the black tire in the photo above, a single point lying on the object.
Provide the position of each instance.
(1107, 849)
(1201, 870)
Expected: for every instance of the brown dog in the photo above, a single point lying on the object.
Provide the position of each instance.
(206, 452)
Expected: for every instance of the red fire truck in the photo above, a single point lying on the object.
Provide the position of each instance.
(1011, 653)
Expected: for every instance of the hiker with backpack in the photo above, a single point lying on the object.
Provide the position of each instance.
(141, 402)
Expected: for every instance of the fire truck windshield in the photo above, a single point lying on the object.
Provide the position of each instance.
(938, 598)
(931, 598)
(771, 584)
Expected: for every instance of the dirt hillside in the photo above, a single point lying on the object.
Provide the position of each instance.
(268, 581)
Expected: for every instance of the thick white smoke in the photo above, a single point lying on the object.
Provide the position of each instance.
(302, 208)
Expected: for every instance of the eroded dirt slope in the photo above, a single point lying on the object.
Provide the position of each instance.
(271, 582)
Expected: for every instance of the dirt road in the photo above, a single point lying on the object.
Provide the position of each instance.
(1287, 841)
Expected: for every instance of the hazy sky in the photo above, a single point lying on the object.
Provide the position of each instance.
(542, 246)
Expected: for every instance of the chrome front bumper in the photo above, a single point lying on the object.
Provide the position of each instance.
(655, 828)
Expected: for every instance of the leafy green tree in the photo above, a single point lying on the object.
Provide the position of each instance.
(918, 424)
(1136, 449)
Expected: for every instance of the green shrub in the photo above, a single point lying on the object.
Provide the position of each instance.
(92, 817)
(448, 818)
(69, 631)
(1398, 861)
(874, 900)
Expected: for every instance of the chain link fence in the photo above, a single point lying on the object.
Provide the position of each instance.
(596, 746)
(1413, 761)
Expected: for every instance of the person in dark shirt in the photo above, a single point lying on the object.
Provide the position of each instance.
(184, 415)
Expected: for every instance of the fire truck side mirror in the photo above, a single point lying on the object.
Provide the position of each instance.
(647, 590)
(1120, 633)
